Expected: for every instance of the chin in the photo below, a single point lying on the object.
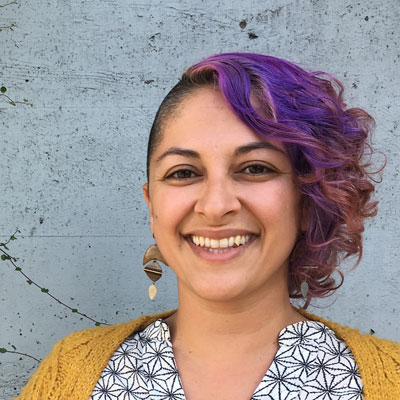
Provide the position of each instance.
(219, 292)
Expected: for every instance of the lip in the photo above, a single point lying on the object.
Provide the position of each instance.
(219, 257)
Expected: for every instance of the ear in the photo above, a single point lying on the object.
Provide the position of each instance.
(146, 195)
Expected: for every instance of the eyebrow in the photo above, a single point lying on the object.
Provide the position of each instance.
(239, 151)
(256, 146)
(177, 151)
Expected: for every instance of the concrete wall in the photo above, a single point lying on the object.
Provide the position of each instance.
(72, 166)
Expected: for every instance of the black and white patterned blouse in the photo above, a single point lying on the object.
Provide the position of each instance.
(311, 363)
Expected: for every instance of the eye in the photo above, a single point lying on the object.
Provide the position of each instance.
(258, 169)
(181, 174)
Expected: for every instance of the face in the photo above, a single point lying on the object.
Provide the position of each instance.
(223, 206)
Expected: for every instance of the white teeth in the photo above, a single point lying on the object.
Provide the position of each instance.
(222, 245)
(237, 240)
(217, 250)
(214, 243)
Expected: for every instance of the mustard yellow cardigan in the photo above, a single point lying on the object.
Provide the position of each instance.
(75, 364)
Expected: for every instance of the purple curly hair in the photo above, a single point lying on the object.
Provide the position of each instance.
(327, 144)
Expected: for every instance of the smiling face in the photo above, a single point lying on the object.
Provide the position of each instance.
(223, 205)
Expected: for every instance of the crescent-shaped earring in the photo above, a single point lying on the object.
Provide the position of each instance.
(153, 269)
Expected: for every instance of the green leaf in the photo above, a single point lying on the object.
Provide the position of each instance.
(74, 310)
(3, 89)
(3, 350)
(97, 324)
(13, 237)
(18, 268)
(5, 247)
(29, 282)
(45, 290)
(12, 103)
(25, 100)
(13, 347)
(5, 257)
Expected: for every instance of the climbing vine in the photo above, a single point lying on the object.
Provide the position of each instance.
(4, 249)
(6, 256)
(3, 89)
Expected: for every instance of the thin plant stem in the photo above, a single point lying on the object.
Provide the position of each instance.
(32, 282)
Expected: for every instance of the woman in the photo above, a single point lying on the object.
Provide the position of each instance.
(257, 186)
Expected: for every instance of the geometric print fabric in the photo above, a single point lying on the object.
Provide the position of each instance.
(310, 364)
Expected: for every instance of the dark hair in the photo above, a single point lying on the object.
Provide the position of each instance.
(168, 109)
(326, 143)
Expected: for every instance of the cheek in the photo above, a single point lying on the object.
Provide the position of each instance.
(277, 204)
(170, 206)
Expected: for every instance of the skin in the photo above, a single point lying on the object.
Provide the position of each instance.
(211, 175)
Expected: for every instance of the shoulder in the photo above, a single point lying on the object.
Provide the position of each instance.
(353, 335)
(74, 365)
(377, 359)
(110, 336)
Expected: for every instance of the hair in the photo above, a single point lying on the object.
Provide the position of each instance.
(327, 143)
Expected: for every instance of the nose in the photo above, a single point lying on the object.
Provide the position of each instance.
(217, 200)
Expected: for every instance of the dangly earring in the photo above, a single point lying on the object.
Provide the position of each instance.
(297, 253)
(153, 269)
(304, 288)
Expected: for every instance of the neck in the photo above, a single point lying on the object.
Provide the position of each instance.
(206, 328)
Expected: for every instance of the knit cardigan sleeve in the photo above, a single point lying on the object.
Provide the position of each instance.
(45, 376)
(72, 369)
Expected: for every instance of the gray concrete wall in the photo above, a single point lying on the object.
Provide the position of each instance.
(72, 166)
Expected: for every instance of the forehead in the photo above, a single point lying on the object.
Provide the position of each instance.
(204, 120)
